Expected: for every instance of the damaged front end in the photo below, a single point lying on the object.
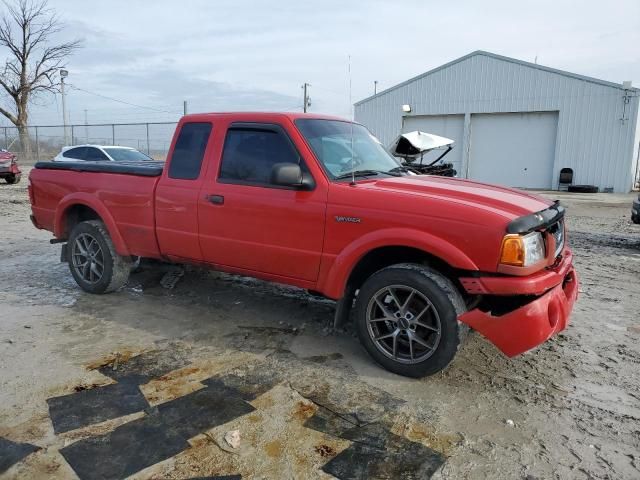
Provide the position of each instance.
(521, 323)
(9, 169)
(522, 307)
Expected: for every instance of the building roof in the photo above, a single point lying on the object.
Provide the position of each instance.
(504, 59)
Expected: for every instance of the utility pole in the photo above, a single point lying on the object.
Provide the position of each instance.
(86, 128)
(375, 87)
(63, 75)
(307, 101)
(184, 107)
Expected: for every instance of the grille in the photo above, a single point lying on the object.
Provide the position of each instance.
(557, 231)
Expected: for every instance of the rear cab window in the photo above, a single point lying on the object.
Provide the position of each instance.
(250, 152)
(188, 152)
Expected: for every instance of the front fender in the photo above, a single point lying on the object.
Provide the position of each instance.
(88, 200)
(335, 281)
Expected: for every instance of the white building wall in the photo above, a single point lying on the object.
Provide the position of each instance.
(592, 139)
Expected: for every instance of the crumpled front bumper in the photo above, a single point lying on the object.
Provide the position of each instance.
(8, 168)
(532, 324)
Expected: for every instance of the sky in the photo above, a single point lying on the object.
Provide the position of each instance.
(255, 55)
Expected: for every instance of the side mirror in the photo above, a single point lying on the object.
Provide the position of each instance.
(290, 175)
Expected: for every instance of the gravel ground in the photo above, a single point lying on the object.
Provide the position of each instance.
(146, 382)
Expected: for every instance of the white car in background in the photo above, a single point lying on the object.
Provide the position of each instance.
(101, 153)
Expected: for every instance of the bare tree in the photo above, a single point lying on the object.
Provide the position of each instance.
(28, 29)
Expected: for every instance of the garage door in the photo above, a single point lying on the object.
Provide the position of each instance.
(514, 149)
(450, 126)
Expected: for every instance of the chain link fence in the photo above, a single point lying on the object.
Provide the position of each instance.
(45, 142)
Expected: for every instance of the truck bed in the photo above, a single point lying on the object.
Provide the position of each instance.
(120, 193)
(142, 169)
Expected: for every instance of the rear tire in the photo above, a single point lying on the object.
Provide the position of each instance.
(582, 189)
(93, 261)
(407, 319)
(13, 179)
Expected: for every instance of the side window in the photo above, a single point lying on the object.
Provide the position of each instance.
(95, 155)
(189, 150)
(75, 153)
(249, 155)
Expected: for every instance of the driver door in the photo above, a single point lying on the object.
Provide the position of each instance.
(248, 223)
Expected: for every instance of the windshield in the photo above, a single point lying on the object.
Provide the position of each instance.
(344, 147)
(124, 154)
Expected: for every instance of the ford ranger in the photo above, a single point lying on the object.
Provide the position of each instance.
(316, 202)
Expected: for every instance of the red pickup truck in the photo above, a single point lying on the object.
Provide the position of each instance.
(318, 203)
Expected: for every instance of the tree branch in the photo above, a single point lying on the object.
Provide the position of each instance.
(8, 88)
(9, 115)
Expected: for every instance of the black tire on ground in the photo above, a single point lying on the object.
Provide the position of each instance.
(12, 179)
(434, 295)
(635, 219)
(582, 188)
(92, 238)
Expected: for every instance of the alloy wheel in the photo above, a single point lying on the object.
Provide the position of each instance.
(403, 324)
(87, 258)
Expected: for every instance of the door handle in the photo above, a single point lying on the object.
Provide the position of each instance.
(216, 199)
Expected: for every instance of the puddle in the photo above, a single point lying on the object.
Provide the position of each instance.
(259, 338)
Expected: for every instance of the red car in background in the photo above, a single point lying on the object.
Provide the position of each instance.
(9, 167)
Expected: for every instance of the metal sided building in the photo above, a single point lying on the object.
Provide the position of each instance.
(517, 123)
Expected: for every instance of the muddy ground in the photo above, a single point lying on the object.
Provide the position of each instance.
(146, 382)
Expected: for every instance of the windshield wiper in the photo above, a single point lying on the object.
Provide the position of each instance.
(366, 173)
(402, 169)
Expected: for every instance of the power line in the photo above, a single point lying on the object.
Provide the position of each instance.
(122, 101)
(333, 92)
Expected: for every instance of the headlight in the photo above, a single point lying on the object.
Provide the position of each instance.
(522, 250)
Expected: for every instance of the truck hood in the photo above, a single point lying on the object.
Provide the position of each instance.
(508, 202)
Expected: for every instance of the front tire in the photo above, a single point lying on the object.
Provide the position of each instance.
(93, 261)
(407, 319)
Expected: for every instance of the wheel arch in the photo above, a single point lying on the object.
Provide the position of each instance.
(78, 207)
(372, 253)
